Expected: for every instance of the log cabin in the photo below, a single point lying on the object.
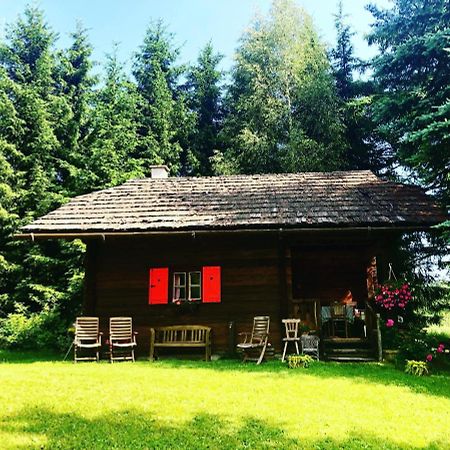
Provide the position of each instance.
(217, 251)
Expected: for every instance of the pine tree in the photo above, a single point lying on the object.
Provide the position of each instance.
(365, 148)
(114, 138)
(34, 278)
(284, 112)
(205, 99)
(75, 84)
(413, 69)
(165, 120)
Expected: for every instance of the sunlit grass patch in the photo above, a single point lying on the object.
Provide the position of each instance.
(223, 404)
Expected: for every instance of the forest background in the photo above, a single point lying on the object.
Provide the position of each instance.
(289, 103)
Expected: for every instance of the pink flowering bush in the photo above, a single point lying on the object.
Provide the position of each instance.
(393, 295)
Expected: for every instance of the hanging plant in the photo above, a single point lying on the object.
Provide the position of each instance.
(393, 295)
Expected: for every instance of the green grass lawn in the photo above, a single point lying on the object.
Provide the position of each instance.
(223, 404)
(442, 330)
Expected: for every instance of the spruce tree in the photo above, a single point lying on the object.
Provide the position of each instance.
(365, 149)
(75, 84)
(36, 278)
(205, 99)
(413, 72)
(165, 122)
(114, 137)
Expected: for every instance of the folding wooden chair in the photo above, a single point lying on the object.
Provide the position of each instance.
(257, 340)
(87, 336)
(122, 339)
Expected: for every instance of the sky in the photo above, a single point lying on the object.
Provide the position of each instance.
(194, 22)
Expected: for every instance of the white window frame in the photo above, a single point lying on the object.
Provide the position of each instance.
(179, 286)
(187, 286)
(199, 285)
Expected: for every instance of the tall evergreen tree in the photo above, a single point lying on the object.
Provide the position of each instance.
(36, 277)
(413, 69)
(114, 137)
(165, 120)
(344, 62)
(205, 99)
(365, 148)
(412, 110)
(75, 85)
(283, 107)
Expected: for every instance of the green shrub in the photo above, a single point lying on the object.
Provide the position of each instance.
(33, 331)
(295, 361)
(415, 345)
(417, 368)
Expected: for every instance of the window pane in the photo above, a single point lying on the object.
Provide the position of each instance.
(179, 279)
(194, 278)
(195, 292)
(179, 293)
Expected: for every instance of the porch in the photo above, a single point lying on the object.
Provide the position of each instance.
(329, 290)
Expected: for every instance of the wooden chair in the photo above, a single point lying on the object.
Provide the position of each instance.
(87, 336)
(257, 340)
(291, 326)
(338, 313)
(310, 345)
(122, 339)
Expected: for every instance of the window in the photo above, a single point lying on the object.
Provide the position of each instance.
(187, 286)
(195, 286)
(179, 286)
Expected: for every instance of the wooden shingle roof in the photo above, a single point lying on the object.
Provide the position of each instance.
(302, 200)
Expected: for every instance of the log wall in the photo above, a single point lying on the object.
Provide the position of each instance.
(260, 275)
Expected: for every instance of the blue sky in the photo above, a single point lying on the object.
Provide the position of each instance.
(194, 22)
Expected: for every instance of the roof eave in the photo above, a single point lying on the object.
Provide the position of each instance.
(283, 228)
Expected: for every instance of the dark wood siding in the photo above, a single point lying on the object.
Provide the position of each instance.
(249, 272)
(256, 271)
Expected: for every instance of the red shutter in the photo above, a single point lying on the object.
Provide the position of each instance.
(158, 291)
(211, 284)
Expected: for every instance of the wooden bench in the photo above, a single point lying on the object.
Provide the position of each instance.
(181, 336)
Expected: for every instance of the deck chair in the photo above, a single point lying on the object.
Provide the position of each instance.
(122, 339)
(257, 341)
(310, 345)
(87, 336)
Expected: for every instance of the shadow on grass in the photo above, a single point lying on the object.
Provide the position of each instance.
(41, 428)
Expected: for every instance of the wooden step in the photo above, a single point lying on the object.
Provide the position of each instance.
(350, 359)
(339, 340)
(348, 350)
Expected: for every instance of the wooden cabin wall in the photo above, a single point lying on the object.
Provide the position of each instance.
(117, 282)
(261, 275)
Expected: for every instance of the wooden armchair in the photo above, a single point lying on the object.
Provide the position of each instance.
(122, 339)
(338, 313)
(87, 336)
(257, 341)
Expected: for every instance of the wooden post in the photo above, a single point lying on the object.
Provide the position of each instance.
(379, 343)
(285, 280)
(231, 338)
(89, 289)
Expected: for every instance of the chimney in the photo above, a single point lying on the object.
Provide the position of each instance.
(160, 171)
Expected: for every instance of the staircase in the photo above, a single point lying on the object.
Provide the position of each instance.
(348, 350)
